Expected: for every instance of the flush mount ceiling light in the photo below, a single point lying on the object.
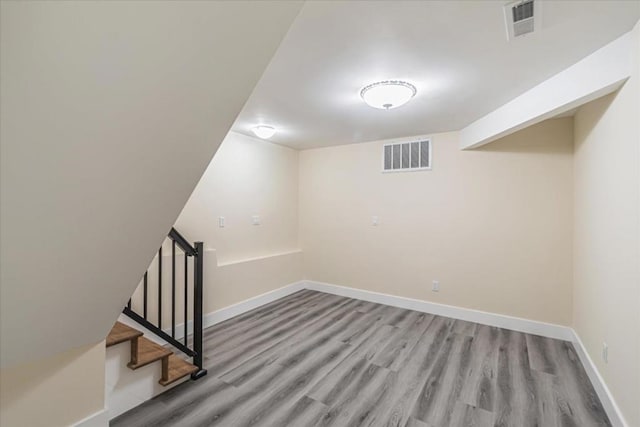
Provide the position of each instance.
(388, 94)
(264, 131)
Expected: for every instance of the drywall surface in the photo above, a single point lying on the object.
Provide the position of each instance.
(111, 112)
(599, 74)
(56, 391)
(607, 238)
(493, 226)
(236, 282)
(247, 177)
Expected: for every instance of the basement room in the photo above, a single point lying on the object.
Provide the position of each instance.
(289, 213)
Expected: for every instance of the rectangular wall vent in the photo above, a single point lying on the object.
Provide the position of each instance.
(522, 17)
(406, 156)
(522, 11)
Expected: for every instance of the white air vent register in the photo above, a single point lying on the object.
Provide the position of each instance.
(522, 17)
(406, 156)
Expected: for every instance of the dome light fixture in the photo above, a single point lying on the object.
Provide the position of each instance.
(388, 94)
(264, 131)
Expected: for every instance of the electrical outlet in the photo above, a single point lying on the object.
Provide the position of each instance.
(375, 221)
(255, 220)
(435, 287)
(605, 352)
(221, 222)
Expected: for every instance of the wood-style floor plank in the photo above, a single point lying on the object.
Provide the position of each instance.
(351, 371)
(394, 410)
(581, 397)
(480, 385)
(516, 395)
(470, 416)
(462, 327)
(541, 354)
(442, 390)
(305, 412)
(393, 355)
(314, 359)
(223, 355)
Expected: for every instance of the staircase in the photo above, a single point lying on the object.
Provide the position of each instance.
(144, 351)
(182, 294)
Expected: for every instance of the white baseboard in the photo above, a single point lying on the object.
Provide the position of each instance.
(500, 320)
(606, 398)
(228, 312)
(98, 419)
(251, 303)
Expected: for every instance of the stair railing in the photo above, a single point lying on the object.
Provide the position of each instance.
(133, 310)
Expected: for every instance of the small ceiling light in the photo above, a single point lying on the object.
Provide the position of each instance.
(264, 131)
(388, 94)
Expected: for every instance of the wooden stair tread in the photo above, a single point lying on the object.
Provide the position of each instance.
(148, 352)
(177, 368)
(121, 333)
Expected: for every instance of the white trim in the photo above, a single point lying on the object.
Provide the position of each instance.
(500, 320)
(228, 312)
(601, 73)
(242, 307)
(406, 170)
(258, 258)
(98, 419)
(606, 398)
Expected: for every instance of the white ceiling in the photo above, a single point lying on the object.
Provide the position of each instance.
(455, 52)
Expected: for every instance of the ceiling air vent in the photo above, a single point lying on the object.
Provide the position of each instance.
(522, 17)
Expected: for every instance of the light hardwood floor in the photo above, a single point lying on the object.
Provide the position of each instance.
(315, 359)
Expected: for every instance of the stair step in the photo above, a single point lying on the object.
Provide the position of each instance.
(121, 333)
(145, 352)
(176, 368)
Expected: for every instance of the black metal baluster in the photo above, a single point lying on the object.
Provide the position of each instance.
(197, 310)
(186, 294)
(160, 288)
(144, 301)
(173, 289)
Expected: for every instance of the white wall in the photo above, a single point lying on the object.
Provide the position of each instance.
(56, 392)
(493, 225)
(247, 176)
(607, 238)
